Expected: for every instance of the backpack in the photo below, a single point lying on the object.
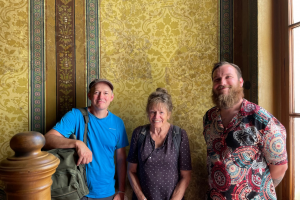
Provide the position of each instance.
(176, 137)
(69, 180)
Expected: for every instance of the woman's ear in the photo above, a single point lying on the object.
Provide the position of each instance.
(169, 115)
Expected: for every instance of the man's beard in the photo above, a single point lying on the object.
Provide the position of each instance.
(225, 101)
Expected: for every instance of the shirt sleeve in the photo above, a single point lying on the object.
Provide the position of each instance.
(185, 162)
(204, 128)
(123, 140)
(66, 126)
(133, 151)
(274, 143)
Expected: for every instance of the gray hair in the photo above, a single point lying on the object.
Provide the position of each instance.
(161, 95)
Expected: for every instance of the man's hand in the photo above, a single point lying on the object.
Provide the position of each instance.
(84, 153)
(119, 196)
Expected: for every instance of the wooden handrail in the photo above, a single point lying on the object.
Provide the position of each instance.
(27, 174)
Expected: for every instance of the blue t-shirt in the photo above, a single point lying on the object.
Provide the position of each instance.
(103, 138)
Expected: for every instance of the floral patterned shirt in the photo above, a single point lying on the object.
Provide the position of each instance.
(238, 155)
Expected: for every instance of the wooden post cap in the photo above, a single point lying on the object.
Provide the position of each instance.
(27, 143)
(27, 174)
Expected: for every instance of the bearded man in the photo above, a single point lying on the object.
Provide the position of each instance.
(246, 145)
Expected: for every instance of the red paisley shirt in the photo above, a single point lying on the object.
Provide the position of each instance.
(238, 156)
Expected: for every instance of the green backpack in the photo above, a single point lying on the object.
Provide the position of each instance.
(69, 180)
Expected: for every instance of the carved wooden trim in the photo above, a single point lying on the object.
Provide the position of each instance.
(65, 57)
(37, 67)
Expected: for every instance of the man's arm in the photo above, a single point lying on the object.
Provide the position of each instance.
(56, 140)
(277, 173)
(185, 177)
(121, 170)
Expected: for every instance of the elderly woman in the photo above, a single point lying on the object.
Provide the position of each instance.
(159, 163)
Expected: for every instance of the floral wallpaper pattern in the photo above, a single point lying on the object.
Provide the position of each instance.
(170, 44)
(144, 44)
(13, 72)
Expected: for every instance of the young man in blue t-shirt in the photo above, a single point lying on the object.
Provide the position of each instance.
(106, 133)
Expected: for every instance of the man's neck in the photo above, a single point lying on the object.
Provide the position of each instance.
(228, 113)
(98, 113)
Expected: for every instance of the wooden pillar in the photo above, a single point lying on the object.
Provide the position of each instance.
(27, 174)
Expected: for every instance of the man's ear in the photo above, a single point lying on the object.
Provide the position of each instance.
(89, 95)
(241, 82)
(112, 96)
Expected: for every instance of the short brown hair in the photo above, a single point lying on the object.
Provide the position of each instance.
(219, 64)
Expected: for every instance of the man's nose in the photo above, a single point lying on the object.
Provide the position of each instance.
(100, 95)
(223, 82)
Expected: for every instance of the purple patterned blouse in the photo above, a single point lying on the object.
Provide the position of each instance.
(159, 169)
(238, 155)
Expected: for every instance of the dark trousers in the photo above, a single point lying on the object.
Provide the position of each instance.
(106, 198)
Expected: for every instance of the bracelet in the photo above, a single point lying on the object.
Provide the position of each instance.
(121, 192)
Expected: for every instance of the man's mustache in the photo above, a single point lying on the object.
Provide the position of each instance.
(224, 86)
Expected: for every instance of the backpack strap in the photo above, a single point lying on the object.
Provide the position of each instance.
(86, 120)
(142, 136)
(176, 137)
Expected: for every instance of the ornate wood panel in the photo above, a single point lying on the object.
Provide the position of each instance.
(65, 57)
(92, 40)
(253, 50)
(37, 66)
(226, 30)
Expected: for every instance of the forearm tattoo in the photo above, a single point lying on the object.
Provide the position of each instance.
(277, 181)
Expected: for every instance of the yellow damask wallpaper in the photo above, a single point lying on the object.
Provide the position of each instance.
(172, 44)
(13, 71)
(144, 44)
